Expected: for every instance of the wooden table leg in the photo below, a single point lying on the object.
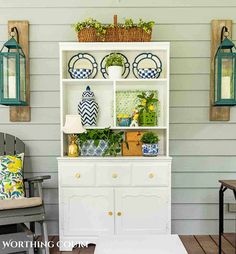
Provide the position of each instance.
(221, 215)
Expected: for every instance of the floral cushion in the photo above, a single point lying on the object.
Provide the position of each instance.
(11, 177)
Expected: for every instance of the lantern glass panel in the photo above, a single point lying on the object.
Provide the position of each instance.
(227, 78)
(216, 78)
(9, 77)
(22, 79)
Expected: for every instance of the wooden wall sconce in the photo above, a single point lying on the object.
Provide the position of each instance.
(22, 113)
(217, 113)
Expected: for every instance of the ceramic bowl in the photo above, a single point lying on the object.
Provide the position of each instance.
(147, 73)
(150, 149)
(80, 73)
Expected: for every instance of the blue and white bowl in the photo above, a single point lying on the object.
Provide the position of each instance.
(80, 73)
(147, 73)
(150, 149)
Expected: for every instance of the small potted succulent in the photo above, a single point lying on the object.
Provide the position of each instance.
(150, 144)
(115, 65)
(147, 112)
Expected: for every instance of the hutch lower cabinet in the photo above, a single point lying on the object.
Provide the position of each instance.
(100, 196)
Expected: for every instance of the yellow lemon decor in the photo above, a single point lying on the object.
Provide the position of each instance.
(143, 102)
(11, 177)
(151, 108)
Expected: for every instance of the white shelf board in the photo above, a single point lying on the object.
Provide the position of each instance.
(111, 80)
(128, 158)
(141, 80)
(85, 80)
(128, 128)
(108, 46)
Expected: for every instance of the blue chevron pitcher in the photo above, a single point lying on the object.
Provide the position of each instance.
(88, 108)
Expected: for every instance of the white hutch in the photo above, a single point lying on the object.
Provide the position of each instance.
(114, 195)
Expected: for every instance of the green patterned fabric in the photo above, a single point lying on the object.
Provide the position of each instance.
(11, 177)
(130, 96)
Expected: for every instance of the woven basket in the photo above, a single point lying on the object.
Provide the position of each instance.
(115, 34)
(87, 35)
(112, 34)
(120, 34)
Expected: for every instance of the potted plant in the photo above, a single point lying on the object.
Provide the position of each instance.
(147, 113)
(150, 144)
(115, 65)
(100, 142)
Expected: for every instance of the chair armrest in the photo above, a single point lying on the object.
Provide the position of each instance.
(37, 179)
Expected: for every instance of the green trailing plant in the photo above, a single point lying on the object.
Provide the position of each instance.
(149, 138)
(146, 26)
(101, 29)
(146, 102)
(113, 139)
(114, 59)
(129, 23)
(90, 23)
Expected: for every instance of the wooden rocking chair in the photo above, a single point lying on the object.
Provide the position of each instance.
(29, 209)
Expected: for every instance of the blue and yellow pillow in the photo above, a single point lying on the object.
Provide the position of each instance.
(11, 177)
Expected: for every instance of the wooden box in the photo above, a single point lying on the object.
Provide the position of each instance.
(135, 145)
(133, 135)
(135, 148)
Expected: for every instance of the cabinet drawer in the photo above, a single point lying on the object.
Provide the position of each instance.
(156, 174)
(117, 174)
(78, 175)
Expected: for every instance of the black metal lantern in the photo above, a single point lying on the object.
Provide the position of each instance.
(225, 71)
(12, 72)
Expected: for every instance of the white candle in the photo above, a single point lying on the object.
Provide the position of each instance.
(12, 87)
(225, 87)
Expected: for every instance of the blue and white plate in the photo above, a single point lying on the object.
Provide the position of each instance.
(144, 70)
(80, 73)
(147, 73)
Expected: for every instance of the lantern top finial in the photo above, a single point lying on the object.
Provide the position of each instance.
(227, 44)
(12, 44)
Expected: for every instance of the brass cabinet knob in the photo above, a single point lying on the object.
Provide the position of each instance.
(151, 175)
(77, 175)
(114, 175)
(119, 214)
(110, 213)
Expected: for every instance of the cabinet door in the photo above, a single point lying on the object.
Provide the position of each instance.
(142, 210)
(87, 211)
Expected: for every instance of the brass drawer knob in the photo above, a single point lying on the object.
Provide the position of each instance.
(110, 213)
(77, 175)
(119, 214)
(151, 175)
(114, 175)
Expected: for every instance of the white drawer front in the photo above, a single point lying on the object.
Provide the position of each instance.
(78, 175)
(117, 174)
(153, 174)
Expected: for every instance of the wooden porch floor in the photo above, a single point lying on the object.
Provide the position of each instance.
(197, 244)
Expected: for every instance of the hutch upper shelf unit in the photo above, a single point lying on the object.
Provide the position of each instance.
(107, 90)
(114, 195)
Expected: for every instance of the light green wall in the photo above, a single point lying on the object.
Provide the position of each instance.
(202, 151)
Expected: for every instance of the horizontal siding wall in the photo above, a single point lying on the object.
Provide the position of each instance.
(202, 151)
